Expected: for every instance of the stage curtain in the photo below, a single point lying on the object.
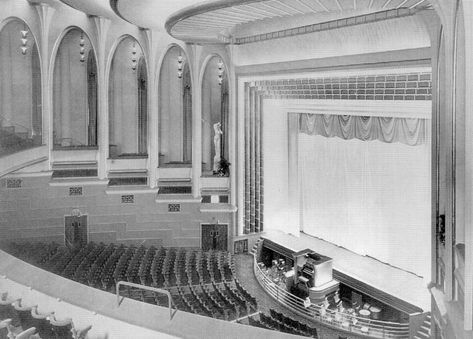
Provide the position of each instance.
(370, 197)
(386, 129)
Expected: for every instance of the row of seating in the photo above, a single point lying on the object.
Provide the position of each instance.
(19, 321)
(200, 282)
(293, 323)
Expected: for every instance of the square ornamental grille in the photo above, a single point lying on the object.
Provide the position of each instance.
(74, 191)
(174, 208)
(128, 199)
(14, 183)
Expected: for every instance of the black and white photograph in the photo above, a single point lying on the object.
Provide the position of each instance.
(236, 169)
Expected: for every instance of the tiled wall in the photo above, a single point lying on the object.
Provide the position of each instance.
(34, 210)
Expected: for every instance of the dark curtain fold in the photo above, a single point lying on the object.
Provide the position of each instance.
(409, 131)
(253, 216)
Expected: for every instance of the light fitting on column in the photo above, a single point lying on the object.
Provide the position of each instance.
(180, 61)
(133, 56)
(82, 47)
(24, 40)
(220, 71)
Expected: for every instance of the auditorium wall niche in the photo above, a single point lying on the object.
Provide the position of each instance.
(365, 185)
(128, 109)
(175, 111)
(214, 110)
(20, 88)
(75, 93)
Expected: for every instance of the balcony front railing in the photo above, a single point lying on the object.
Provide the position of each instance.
(345, 322)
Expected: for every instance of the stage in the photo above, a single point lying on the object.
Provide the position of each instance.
(400, 289)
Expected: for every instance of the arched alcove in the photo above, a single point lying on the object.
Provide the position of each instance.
(175, 110)
(214, 112)
(20, 89)
(75, 93)
(128, 117)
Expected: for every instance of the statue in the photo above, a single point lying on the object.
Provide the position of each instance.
(217, 144)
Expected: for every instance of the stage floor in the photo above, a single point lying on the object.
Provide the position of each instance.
(401, 284)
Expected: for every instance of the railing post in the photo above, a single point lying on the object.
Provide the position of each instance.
(148, 288)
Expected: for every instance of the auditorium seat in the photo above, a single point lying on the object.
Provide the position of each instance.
(41, 323)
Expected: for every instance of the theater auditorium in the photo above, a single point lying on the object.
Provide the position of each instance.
(236, 169)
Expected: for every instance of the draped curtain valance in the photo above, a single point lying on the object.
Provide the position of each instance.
(409, 131)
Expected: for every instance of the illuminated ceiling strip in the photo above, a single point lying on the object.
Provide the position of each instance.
(354, 5)
(339, 6)
(267, 13)
(275, 8)
(203, 23)
(189, 23)
(289, 7)
(417, 4)
(307, 6)
(228, 17)
(213, 17)
(237, 11)
(402, 3)
(322, 5)
(371, 4)
(386, 3)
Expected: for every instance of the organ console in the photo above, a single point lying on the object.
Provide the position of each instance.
(313, 275)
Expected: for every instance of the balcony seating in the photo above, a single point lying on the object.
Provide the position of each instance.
(41, 323)
(199, 282)
(95, 272)
(65, 329)
(157, 266)
(82, 271)
(144, 271)
(106, 278)
(119, 274)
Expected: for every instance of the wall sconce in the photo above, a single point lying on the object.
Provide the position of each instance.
(180, 61)
(220, 71)
(82, 47)
(24, 40)
(133, 56)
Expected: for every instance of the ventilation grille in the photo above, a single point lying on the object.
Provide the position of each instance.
(14, 183)
(128, 199)
(173, 208)
(76, 190)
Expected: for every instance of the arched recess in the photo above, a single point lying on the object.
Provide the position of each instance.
(20, 88)
(215, 118)
(128, 109)
(75, 93)
(175, 110)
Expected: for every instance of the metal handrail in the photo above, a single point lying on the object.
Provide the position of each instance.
(147, 288)
(379, 329)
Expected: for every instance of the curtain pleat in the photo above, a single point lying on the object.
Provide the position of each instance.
(408, 131)
(253, 216)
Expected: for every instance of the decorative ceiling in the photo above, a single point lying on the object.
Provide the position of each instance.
(227, 21)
